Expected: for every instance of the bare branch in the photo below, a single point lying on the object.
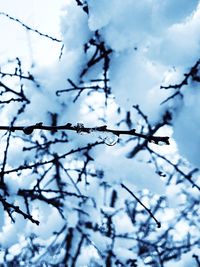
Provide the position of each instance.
(10, 207)
(80, 128)
(148, 210)
(29, 28)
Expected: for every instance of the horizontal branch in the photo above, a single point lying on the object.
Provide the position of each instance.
(81, 129)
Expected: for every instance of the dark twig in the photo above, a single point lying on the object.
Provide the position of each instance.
(4, 160)
(178, 170)
(29, 28)
(148, 210)
(8, 207)
(83, 5)
(42, 163)
(61, 52)
(31, 192)
(7, 89)
(196, 259)
(80, 89)
(193, 73)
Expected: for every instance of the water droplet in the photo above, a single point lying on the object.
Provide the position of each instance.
(109, 138)
(83, 132)
(28, 130)
(80, 129)
(159, 142)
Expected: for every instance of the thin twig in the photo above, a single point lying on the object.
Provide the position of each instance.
(148, 210)
(8, 207)
(29, 28)
(175, 166)
(42, 163)
(192, 73)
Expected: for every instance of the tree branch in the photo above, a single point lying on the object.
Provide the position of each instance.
(29, 28)
(148, 210)
(10, 207)
(81, 129)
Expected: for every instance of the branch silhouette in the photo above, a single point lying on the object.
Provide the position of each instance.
(30, 28)
(138, 200)
(81, 129)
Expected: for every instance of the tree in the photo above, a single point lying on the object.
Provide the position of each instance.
(84, 180)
